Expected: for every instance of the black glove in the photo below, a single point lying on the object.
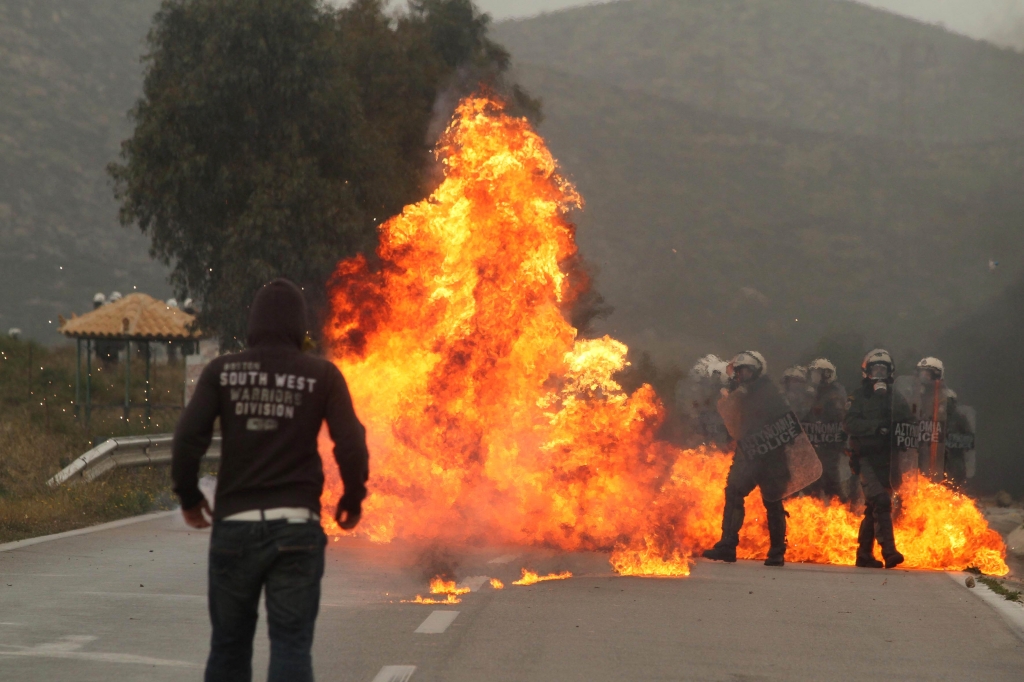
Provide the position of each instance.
(855, 465)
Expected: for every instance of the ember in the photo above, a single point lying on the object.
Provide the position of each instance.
(488, 419)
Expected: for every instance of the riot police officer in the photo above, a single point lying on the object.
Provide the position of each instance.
(698, 401)
(798, 394)
(874, 410)
(823, 424)
(757, 400)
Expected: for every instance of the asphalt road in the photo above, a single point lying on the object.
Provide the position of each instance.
(128, 603)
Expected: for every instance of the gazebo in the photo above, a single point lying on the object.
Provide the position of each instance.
(136, 318)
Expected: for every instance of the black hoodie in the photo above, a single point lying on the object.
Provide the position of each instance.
(272, 400)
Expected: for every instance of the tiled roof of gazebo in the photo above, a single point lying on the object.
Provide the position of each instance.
(137, 316)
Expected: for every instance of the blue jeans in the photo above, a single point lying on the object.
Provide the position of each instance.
(285, 559)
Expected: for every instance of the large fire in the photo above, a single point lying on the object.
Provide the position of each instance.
(489, 419)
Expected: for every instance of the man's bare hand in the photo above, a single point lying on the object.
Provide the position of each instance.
(195, 516)
(346, 520)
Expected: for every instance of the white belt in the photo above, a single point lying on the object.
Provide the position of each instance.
(293, 514)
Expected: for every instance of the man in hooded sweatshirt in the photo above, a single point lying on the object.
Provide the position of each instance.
(271, 400)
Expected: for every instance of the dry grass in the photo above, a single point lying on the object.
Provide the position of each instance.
(28, 507)
(39, 435)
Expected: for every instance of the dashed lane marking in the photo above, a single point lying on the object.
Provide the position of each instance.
(395, 673)
(504, 559)
(437, 622)
(474, 583)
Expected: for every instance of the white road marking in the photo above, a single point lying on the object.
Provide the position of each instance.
(395, 673)
(503, 559)
(18, 544)
(69, 643)
(69, 648)
(475, 582)
(437, 622)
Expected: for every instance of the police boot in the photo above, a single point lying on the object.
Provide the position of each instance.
(883, 531)
(866, 541)
(732, 521)
(777, 534)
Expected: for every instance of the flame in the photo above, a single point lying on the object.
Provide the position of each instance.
(449, 599)
(497, 584)
(439, 585)
(531, 578)
(490, 420)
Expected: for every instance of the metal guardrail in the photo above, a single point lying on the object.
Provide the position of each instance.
(130, 451)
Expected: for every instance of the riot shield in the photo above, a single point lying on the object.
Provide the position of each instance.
(768, 434)
(959, 451)
(823, 422)
(731, 410)
(800, 397)
(971, 457)
(905, 436)
(697, 402)
(927, 401)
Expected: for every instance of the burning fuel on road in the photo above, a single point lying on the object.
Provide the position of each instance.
(531, 578)
(488, 418)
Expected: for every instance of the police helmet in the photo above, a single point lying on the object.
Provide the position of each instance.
(933, 365)
(877, 357)
(824, 370)
(748, 358)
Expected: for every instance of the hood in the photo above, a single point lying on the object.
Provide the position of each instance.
(277, 315)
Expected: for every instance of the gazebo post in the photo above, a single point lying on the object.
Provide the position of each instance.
(78, 373)
(88, 381)
(127, 377)
(149, 411)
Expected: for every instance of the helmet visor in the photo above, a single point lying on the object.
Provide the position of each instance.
(744, 373)
(878, 370)
(821, 376)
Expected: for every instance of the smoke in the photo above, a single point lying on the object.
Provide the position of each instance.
(987, 371)
(438, 562)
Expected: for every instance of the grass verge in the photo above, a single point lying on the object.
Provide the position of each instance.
(1002, 590)
(40, 434)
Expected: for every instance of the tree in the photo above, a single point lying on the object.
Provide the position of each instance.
(273, 136)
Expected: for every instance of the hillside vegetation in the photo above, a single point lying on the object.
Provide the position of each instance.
(40, 434)
(826, 65)
(810, 168)
(69, 72)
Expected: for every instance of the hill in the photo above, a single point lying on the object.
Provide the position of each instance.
(783, 225)
(71, 72)
(710, 233)
(825, 65)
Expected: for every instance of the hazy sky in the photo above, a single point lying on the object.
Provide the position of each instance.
(977, 18)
